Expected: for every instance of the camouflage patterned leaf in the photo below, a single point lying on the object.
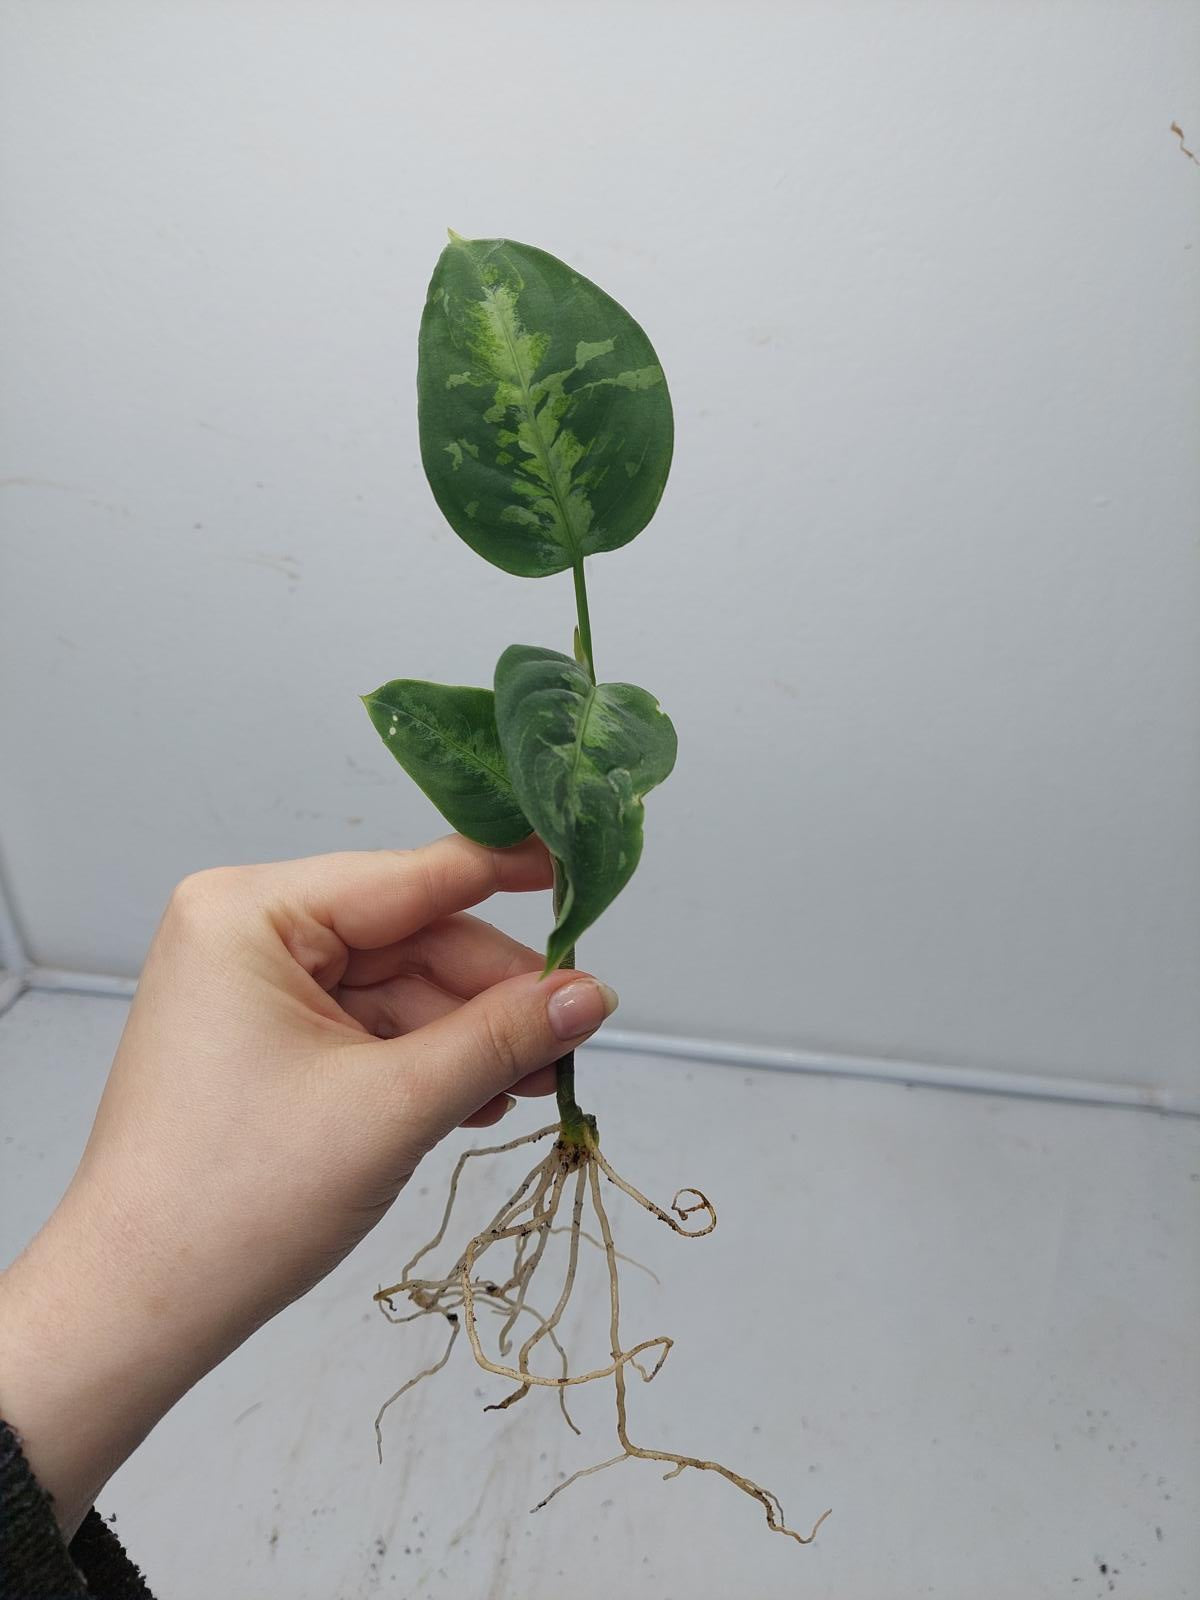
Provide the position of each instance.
(444, 736)
(580, 757)
(546, 427)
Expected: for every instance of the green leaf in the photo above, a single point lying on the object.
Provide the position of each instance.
(546, 427)
(444, 736)
(580, 756)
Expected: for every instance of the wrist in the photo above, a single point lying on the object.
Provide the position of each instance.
(92, 1356)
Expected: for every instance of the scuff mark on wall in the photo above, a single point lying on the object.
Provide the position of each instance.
(1190, 154)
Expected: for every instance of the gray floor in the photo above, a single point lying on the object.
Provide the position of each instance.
(968, 1324)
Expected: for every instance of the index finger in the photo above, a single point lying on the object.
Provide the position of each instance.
(371, 898)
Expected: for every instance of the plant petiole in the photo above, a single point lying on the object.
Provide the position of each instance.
(585, 622)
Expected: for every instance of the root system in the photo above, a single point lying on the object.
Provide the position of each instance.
(569, 1174)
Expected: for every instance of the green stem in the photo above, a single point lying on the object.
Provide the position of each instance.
(570, 1115)
(576, 1126)
(585, 622)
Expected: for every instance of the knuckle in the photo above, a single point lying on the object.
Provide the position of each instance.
(426, 881)
(503, 1040)
(195, 896)
(416, 878)
(521, 959)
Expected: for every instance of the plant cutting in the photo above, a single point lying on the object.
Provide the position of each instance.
(546, 435)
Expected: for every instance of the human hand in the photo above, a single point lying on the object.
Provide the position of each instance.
(302, 1034)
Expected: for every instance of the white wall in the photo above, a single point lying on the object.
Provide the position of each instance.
(922, 595)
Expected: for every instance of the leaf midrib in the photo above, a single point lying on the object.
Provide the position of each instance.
(462, 749)
(589, 706)
(543, 449)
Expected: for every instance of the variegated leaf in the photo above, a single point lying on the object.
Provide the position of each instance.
(444, 736)
(546, 427)
(580, 757)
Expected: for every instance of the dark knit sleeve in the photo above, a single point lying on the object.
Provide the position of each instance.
(35, 1561)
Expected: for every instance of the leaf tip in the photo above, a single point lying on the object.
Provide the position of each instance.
(455, 238)
(554, 960)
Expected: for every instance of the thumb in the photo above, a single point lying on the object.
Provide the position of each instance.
(458, 1063)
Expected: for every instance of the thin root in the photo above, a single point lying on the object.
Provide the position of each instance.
(467, 1155)
(455, 1327)
(682, 1212)
(599, 1244)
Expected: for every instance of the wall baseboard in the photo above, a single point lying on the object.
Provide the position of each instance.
(883, 1069)
(879, 1069)
(57, 980)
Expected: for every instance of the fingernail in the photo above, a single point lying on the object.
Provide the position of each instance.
(580, 1007)
(510, 1101)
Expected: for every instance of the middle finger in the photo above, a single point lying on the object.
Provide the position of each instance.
(461, 954)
